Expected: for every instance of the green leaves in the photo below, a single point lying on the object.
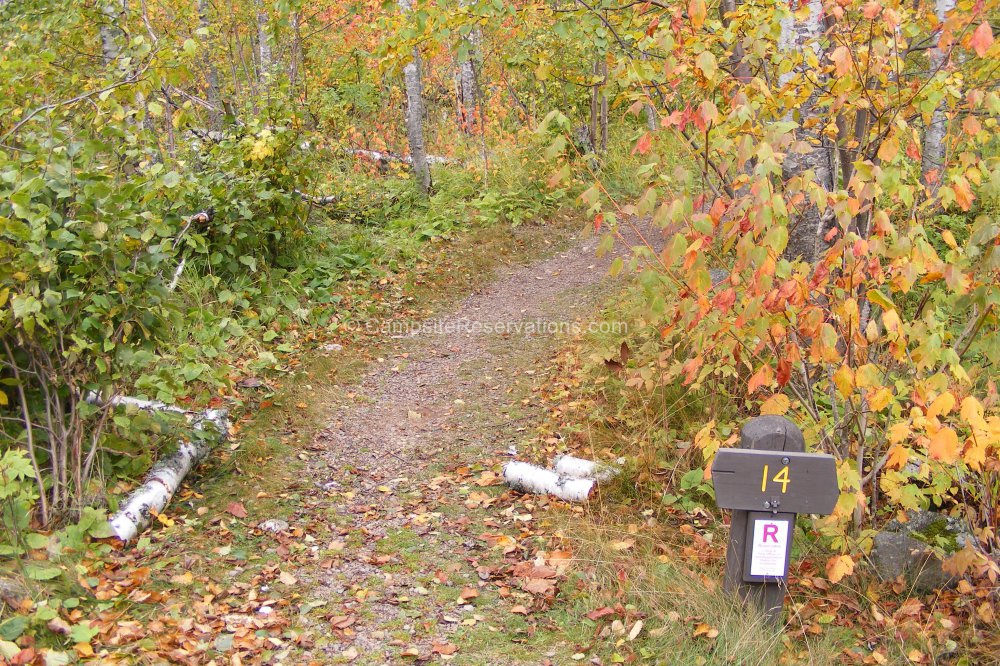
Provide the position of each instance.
(11, 629)
(707, 63)
(42, 572)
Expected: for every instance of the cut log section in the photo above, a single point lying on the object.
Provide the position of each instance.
(166, 475)
(527, 478)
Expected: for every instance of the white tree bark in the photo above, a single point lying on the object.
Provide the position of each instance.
(166, 475)
(932, 158)
(264, 56)
(527, 478)
(110, 31)
(415, 113)
(211, 73)
(581, 468)
(805, 234)
(379, 156)
(470, 110)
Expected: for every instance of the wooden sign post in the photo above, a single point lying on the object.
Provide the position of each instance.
(766, 482)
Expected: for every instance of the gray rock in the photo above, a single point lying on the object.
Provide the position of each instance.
(717, 275)
(12, 591)
(274, 525)
(912, 549)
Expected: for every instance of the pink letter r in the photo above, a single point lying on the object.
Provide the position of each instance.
(770, 530)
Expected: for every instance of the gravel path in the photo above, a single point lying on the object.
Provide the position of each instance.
(409, 465)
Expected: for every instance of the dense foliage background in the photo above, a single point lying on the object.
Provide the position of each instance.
(191, 192)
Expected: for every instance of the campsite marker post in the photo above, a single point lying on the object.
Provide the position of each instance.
(767, 481)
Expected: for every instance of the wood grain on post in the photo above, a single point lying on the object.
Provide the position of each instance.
(764, 433)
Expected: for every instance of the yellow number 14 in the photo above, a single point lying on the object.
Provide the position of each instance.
(781, 477)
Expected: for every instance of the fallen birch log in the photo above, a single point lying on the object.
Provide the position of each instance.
(317, 199)
(527, 478)
(378, 156)
(166, 475)
(581, 468)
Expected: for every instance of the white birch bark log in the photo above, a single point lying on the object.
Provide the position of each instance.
(805, 233)
(581, 468)
(527, 478)
(932, 158)
(379, 156)
(165, 477)
(415, 113)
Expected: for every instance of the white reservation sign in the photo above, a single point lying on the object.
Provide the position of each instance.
(770, 548)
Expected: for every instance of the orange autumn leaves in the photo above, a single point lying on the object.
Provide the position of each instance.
(942, 441)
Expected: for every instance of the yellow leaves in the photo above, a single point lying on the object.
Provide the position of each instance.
(824, 346)
(844, 380)
(949, 239)
(899, 432)
(984, 434)
(706, 630)
(943, 445)
(962, 561)
(898, 457)
(867, 376)
(942, 405)
(838, 567)
(841, 58)
(183, 579)
(704, 434)
(261, 149)
(890, 319)
(697, 11)
(972, 413)
(889, 149)
(849, 313)
(777, 404)
(879, 399)
(762, 377)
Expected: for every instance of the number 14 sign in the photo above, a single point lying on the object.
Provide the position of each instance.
(785, 481)
(766, 482)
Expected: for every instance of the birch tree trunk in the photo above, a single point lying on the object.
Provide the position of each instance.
(211, 73)
(111, 33)
(264, 57)
(415, 113)
(295, 54)
(805, 233)
(469, 103)
(932, 159)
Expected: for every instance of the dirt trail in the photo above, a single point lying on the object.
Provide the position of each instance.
(407, 473)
